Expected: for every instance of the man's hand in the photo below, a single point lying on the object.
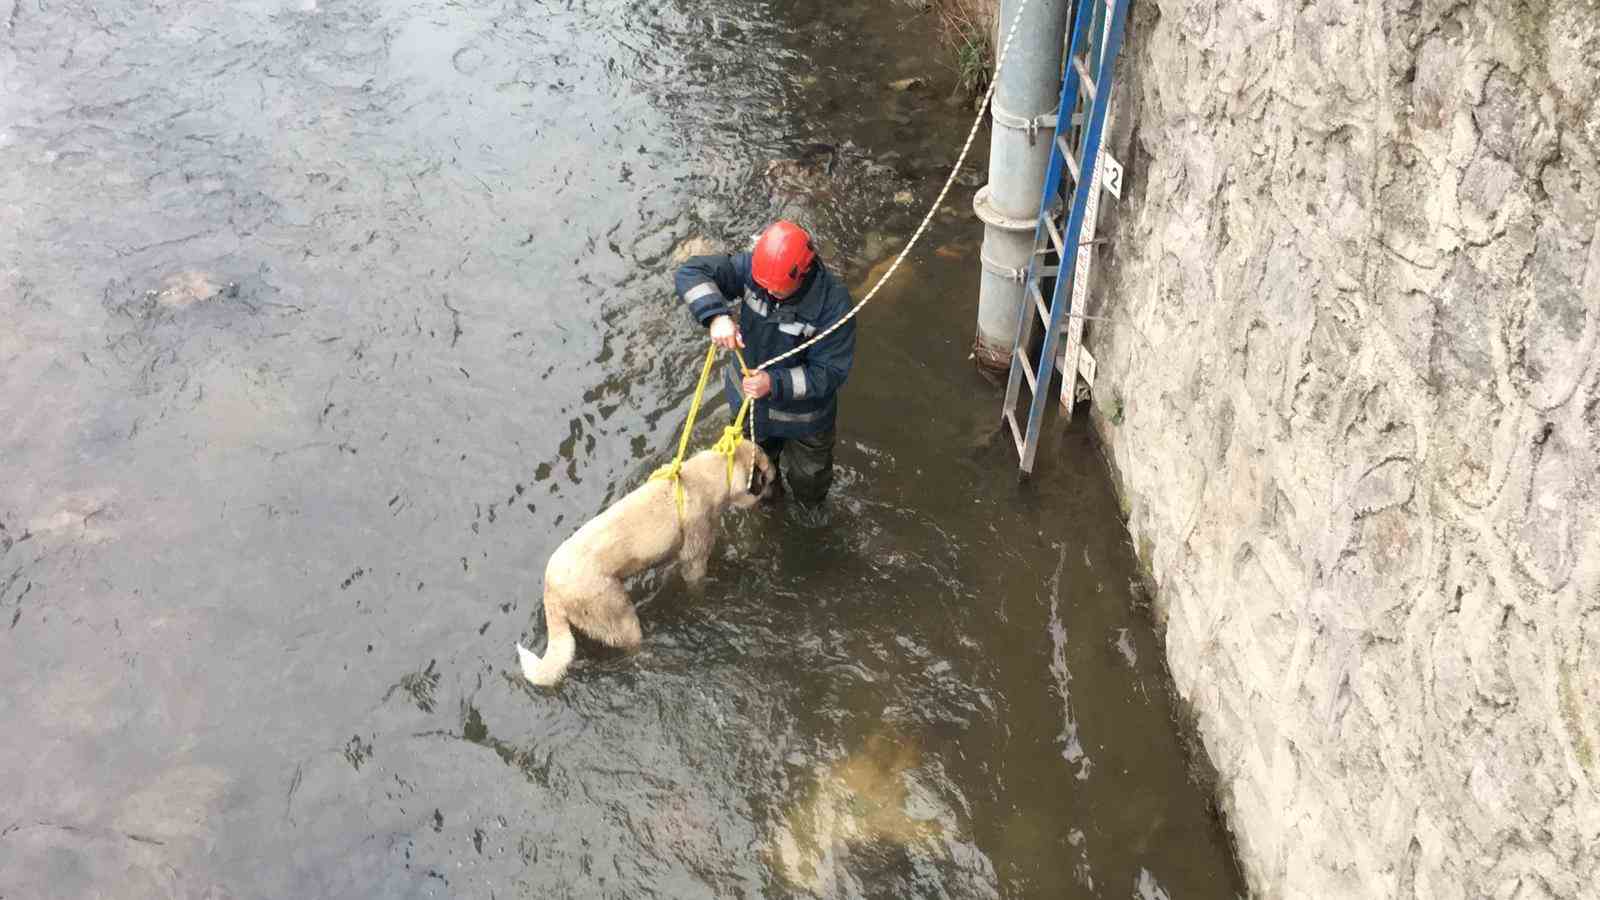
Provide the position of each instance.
(757, 385)
(725, 334)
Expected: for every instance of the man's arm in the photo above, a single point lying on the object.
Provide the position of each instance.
(707, 284)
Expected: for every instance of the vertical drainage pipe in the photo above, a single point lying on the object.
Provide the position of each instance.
(1023, 113)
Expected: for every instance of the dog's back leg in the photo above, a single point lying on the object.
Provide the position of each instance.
(608, 616)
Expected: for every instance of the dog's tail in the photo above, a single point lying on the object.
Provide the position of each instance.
(550, 669)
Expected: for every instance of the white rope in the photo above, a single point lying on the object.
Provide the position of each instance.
(956, 169)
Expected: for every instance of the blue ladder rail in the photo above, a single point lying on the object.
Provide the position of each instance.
(1075, 149)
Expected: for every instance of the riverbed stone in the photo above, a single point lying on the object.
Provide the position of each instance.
(1351, 389)
(697, 245)
(181, 290)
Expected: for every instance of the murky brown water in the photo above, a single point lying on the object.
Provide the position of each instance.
(322, 322)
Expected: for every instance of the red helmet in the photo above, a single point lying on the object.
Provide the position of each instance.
(782, 257)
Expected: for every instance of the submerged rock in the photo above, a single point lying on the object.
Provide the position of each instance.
(809, 171)
(80, 516)
(821, 171)
(870, 797)
(698, 245)
(184, 289)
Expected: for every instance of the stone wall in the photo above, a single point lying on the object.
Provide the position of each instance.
(1351, 392)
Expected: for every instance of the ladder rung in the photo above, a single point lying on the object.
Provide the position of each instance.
(1084, 81)
(1016, 431)
(1055, 237)
(1038, 303)
(1043, 245)
(1027, 370)
(1066, 154)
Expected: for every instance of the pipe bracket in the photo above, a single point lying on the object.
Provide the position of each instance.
(1007, 272)
(1011, 120)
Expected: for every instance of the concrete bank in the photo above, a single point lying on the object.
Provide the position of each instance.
(1352, 395)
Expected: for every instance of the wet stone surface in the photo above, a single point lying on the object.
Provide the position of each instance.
(326, 320)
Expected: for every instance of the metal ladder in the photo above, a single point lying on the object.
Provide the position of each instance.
(1075, 151)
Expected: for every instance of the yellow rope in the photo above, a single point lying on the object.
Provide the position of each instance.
(727, 445)
(671, 470)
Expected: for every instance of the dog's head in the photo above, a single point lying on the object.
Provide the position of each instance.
(754, 472)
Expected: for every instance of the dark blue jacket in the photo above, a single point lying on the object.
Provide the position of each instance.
(805, 387)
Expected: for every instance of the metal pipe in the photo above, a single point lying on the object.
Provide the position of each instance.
(1023, 114)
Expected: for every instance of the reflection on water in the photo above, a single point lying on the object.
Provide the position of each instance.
(326, 320)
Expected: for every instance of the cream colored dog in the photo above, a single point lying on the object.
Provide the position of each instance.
(583, 581)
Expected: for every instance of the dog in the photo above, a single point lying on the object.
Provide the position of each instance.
(583, 582)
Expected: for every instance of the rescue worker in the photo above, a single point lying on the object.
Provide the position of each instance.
(766, 302)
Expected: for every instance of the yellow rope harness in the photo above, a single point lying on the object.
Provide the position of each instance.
(727, 445)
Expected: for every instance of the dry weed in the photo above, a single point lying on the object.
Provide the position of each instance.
(967, 27)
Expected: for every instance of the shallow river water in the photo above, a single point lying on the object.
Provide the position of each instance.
(322, 322)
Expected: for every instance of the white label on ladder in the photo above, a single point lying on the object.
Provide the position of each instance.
(1113, 178)
(1072, 347)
